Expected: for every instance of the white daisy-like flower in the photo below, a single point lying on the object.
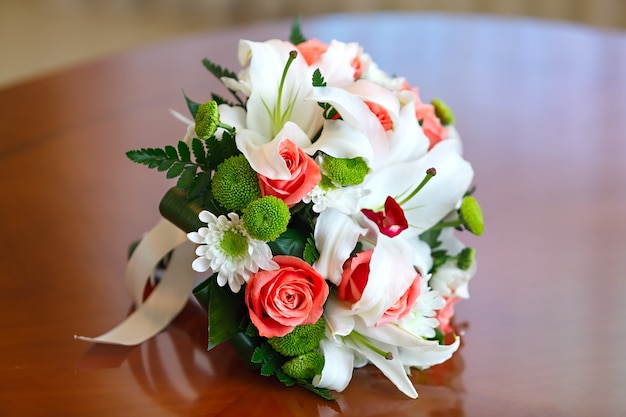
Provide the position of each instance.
(227, 249)
(422, 321)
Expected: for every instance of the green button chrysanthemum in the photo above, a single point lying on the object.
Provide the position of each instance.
(304, 367)
(235, 184)
(472, 215)
(302, 339)
(266, 218)
(207, 119)
(345, 171)
(443, 112)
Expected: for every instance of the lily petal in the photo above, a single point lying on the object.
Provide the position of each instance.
(393, 369)
(436, 199)
(335, 236)
(338, 365)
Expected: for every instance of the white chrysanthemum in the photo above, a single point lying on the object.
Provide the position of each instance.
(421, 321)
(227, 249)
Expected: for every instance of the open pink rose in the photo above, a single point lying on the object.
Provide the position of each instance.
(405, 303)
(305, 174)
(312, 50)
(287, 297)
(354, 278)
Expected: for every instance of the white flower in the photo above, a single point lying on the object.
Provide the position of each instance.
(227, 249)
(450, 280)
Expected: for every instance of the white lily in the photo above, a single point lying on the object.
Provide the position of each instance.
(435, 200)
(336, 235)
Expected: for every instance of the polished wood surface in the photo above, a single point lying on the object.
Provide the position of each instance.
(542, 109)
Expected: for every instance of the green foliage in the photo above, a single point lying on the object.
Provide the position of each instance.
(218, 71)
(191, 105)
(271, 365)
(291, 242)
(318, 79)
(296, 37)
(194, 174)
(225, 308)
(329, 111)
(310, 254)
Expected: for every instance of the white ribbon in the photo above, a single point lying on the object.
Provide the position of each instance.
(170, 295)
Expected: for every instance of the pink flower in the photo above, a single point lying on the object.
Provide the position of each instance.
(287, 297)
(405, 303)
(445, 314)
(312, 50)
(354, 277)
(305, 174)
(382, 114)
(391, 221)
(431, 125)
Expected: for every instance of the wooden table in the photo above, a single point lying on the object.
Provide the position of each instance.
(542, 109)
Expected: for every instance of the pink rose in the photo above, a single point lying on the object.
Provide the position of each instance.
(431, 125)
(445, 314)
(312, 50)
(405, 303)
(354, 277)
(305, 174)
(287, 297)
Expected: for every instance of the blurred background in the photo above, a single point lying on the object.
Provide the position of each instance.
(39, 36)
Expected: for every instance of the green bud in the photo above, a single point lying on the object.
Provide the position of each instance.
(207, 119)
(266, 218)
(472, 215)
(304, 367)
(345, 171)
(235, 184)
(443, 112)
(301, 340)
(465, 258)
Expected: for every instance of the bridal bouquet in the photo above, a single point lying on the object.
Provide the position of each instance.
(320, 204)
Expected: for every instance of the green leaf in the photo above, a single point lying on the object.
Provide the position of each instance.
(175, 170)
(220, 100)
(318, 79)
(431, 237)
(183, 152)
(186, 178)
(165, 165)
(201, 183)
(217, 70)
(197, 146)
(225, 308)
(191, 105)
(171, 152)
(296, 37)
(310, 254)
(291, 242)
